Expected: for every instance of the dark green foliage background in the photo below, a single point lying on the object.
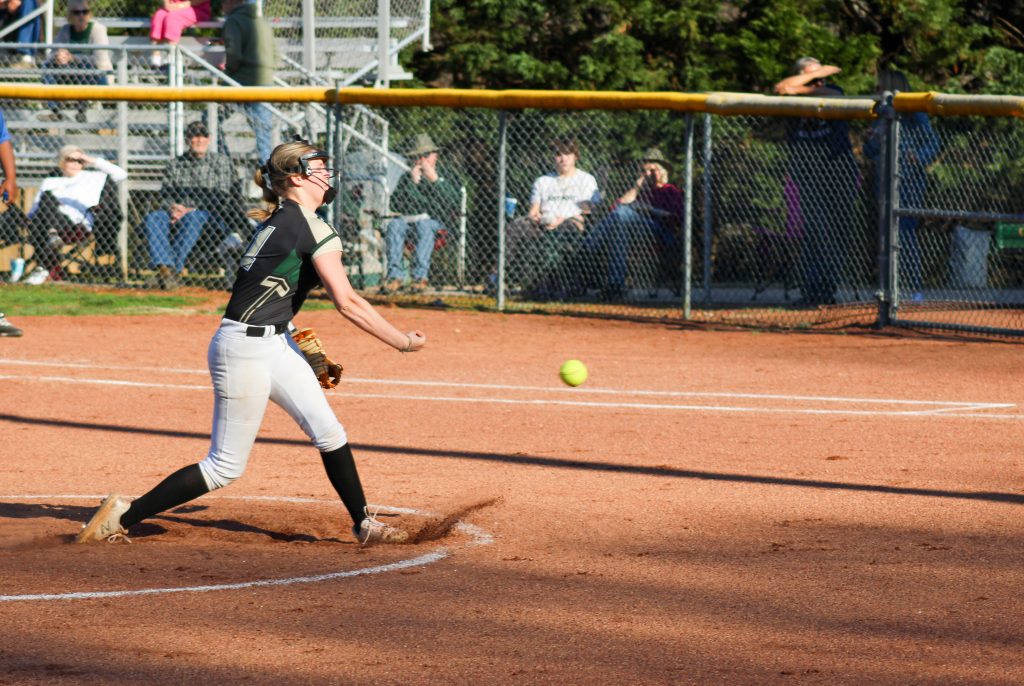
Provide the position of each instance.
(698, 45)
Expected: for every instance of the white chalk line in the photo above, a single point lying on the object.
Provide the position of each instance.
(949, 409)
(477, 537)
(554, 388)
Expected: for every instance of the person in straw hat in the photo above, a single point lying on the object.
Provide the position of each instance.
(651, 212)
(425, 199)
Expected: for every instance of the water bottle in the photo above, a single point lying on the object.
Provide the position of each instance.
(510, 206)
(17, 269)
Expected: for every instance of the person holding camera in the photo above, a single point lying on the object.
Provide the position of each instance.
(650, 213)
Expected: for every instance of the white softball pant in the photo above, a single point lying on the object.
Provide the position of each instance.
(246, 371)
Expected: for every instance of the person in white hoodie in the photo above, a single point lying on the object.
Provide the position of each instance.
(64, 209)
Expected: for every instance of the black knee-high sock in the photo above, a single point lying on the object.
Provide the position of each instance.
(180, 487)
(341, 470)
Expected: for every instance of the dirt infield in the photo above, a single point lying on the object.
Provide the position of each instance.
(741, 508)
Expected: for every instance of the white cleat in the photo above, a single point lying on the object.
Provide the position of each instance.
(372, 530)
(105, 524)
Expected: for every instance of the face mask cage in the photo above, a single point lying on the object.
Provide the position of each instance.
(302, 168)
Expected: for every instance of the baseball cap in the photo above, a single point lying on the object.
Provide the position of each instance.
(196, 128)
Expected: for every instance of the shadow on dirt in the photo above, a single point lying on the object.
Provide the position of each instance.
(661, 471)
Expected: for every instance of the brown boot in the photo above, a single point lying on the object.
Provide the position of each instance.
(159, 279)
(171, 280)
(391, 286)
(418, 286)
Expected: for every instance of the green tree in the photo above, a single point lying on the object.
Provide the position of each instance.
(697, 45)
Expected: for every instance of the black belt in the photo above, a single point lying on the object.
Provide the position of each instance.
(261, 331)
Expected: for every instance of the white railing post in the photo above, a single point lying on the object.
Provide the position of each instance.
(48, 24)
(309, 36)
(122, 161)
(383, 42)
(426, 27)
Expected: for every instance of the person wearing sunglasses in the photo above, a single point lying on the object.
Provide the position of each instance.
(67, 208)
(87, 67)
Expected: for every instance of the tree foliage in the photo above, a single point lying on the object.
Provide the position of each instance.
(959, 46)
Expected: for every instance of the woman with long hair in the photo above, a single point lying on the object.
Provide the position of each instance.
(253, 359)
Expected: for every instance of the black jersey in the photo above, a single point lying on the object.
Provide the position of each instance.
(276, 271)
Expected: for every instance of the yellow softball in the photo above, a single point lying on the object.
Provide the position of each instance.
(573, 372)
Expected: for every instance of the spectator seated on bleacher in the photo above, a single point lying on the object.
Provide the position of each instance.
(201, 190)
(168, 23)
(648, 215)
(542, 244)
(86, 68)
(70, 208)
(11, 11)
(426, 201)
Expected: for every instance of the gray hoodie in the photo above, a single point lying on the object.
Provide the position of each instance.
(250, 50)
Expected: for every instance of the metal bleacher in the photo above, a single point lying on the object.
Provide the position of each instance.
(142, 137)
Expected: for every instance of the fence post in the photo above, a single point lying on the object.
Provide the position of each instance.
(122, 161)
(687, 237)
(502, 168)
(331, 117)
(383, 43)
(888, 198)
(707, 208)
(309, 36)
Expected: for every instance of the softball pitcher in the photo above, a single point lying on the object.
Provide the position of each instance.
(253, 358)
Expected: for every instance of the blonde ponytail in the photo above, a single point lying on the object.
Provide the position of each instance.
(273, 175)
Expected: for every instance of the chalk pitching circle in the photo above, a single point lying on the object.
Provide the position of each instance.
(477, 537)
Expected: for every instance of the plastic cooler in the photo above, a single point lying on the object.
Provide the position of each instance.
(1009, 236)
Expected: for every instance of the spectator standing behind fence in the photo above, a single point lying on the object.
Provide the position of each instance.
(68, 67)
(250, 57)
(200, 190)
(541, 243)
(919, 146)
(9, 194)
(425, 198)
(822, 166)
(66, 209)
(11, 12)
(649, 213)
(173, 17)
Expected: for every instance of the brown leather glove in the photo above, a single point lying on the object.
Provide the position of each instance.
(327, 371)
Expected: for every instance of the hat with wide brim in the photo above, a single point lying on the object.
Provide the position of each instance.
(655, 155)
(422, 145)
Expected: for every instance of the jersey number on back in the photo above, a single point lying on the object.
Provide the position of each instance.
(255, 245)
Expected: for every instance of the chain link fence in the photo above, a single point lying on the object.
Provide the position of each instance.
(765, 221)
(958, 223)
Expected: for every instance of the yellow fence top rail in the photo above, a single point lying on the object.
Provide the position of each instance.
(715, 103)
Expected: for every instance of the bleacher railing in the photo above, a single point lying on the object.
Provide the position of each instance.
(340, 41)
(771, 234)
